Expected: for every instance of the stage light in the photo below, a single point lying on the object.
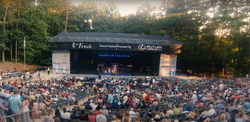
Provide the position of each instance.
(119, 56)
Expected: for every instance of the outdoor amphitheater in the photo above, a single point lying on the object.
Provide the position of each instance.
(79, 97)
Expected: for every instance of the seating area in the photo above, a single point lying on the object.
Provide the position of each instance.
(143, 99)
(169, 102)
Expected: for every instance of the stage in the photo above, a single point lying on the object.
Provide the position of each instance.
(114, 54)
(182, 79)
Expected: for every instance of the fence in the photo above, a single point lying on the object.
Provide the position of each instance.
(23, 117)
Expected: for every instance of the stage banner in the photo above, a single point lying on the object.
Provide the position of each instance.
(108, 46)
(167, 65)
(172, 68)
(61, 62)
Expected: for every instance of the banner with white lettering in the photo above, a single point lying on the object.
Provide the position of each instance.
(61, 62)
(107, 46)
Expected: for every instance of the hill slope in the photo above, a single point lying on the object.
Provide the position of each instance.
(19, 66)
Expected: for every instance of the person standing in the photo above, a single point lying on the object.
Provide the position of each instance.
(35, 108)
(110, 98)
(101, 117)
(38, 74)
(14, 103)
(194, 98)
(125, 98)
(246, 105)
(91, 116)
(132, 114)
(48, 70)
(25, 109)
(2, 109)
(147, 99)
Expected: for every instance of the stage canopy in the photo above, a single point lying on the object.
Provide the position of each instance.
(114, 41)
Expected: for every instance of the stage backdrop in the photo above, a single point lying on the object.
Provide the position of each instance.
(167, 65)
(61, 61)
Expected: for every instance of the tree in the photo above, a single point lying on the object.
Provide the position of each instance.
(17, 8)
(213, 32)
(37, 46)
(4, 38)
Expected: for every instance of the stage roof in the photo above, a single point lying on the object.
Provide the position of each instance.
(114, 38)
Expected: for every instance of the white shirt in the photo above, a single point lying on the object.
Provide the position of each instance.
(55, 99)
(211, 112)
(131, 114)
(65, 115)
(93, 106)
(7, 95)
(153, 80)
(125, 98)
(45, 94)
(136, 100)
(221, 86)
(194, 98)
(37, 95)
(203, 114)
(170, 112)
(158, 96)
(105, 112)
(204, 98)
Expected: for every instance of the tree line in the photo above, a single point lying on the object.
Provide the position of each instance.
(214, 33)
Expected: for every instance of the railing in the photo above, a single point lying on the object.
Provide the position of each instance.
(24, 117)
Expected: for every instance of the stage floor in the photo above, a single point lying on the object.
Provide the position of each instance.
(182, 79)
(119, 73)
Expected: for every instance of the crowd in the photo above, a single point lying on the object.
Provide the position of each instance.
(14, 74)
(151, 99)
(137, 99)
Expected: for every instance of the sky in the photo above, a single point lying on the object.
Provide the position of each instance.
(125, 6)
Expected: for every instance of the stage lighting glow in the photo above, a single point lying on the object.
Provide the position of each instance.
(119, 56)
